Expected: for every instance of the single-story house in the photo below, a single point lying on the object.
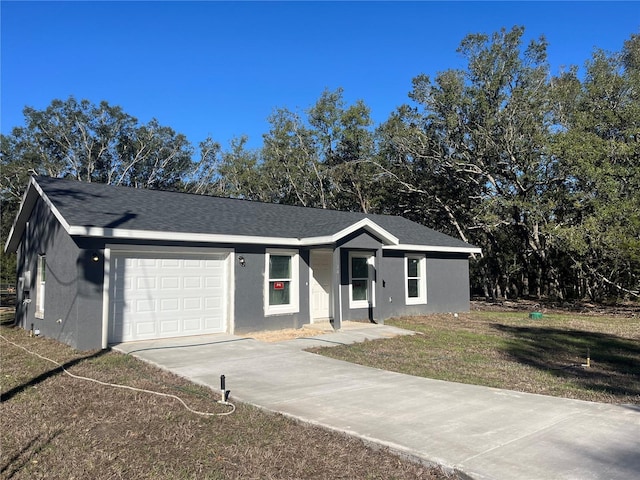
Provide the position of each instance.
(100, 264)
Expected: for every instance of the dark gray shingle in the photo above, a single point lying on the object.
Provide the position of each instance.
(98, 205)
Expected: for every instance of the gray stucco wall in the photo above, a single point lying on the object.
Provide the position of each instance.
(447, 279)
(249, 292)
(90, 293)
(447, 285)
(73, 286)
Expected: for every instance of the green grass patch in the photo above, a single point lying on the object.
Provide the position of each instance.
(509, 350)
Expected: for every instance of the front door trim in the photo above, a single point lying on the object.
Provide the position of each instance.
(321, 285)
(370, 301)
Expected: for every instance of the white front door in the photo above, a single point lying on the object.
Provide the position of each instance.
(362, 283)
(321, 266)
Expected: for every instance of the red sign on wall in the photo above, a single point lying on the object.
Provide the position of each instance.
(278, 285)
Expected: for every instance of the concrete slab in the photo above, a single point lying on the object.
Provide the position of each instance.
(484, 432)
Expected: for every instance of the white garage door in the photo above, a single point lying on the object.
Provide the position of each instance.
(160, 295)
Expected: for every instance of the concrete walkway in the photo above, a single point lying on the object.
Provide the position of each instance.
(485, 433)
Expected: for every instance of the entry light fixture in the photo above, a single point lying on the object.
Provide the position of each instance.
(242, 261)
(95, 257)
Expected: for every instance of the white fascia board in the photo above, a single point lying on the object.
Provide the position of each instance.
(232, 239)
(370, 226)
(180, 236)
(19, 222)
(52, 207)
(432, 248)
(26, 206)
(365, 224)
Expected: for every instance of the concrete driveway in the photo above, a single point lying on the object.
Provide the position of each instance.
(485, 433)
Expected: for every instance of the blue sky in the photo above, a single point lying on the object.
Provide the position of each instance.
(219, 69)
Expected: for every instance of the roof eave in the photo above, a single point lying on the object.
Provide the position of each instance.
(434, 248)
(120, 233)
(26, 207)
(366, 224)
(369, 225)
(24, 211)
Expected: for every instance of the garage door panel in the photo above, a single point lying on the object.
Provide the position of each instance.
(192, 282)
(213, 304)
(117, 318)
(212, 322)
(145, 305)
(158, 295)
(192, 303)
(168, 283)
(170, 327)
(146, 283)
(146, 262)
(145, 326)
(170, 305)
(192, 324)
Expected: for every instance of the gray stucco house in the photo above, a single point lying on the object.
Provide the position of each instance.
(99, 264)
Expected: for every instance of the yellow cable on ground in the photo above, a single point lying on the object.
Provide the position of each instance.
(127, 387)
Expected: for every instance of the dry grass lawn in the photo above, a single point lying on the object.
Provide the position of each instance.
(55, 426)
(58, 427)
(283, 335)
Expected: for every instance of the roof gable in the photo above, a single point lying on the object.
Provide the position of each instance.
(100, 210)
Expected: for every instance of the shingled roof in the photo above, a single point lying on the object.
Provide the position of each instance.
(95, 209)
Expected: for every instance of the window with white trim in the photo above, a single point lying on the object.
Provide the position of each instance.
(416, 282)
(360, 279)
(41, 276)
(281, 282)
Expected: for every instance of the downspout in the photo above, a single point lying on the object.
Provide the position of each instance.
(338, 326)
(105, 297)
(337, 315)
(379, 305)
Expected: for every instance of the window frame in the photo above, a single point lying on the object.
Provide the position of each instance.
(422, 279)
(41, 278)
(294, 298)
(371, 300)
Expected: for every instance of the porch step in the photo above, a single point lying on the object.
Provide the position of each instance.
(321, 326)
